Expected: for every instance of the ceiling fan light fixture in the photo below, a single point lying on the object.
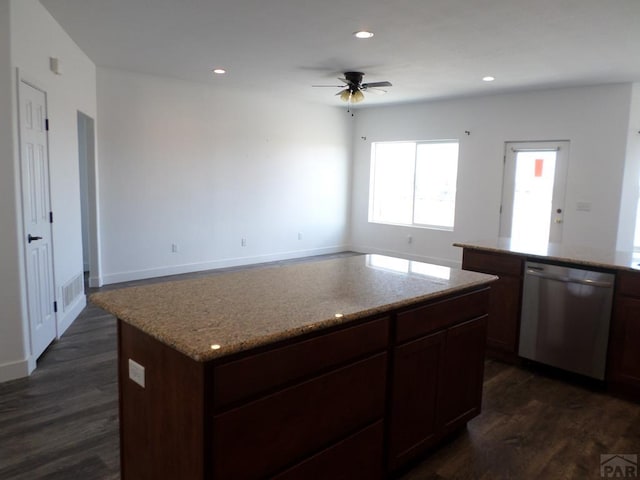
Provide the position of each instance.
(363, 34)
(345, 95)
(357, 96)
(352, 90)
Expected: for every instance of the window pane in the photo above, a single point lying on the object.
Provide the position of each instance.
(436, 176)
(392, 182)
(535, 172)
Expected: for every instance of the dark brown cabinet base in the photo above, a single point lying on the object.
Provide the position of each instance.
(263, 437)
(623, 354)
(437, 378)
(353, 402)
(623, 372)
(503, 327)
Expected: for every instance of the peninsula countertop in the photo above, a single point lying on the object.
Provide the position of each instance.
(579, 255)
(217, 315)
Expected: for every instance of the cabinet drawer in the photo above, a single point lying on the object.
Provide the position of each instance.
(264, 436)
(489, 262)
(358, 456)
(628, 283)
(424, 320)
(244, 378)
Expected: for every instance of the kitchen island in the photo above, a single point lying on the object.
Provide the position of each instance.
(506, 258)
(343, 368)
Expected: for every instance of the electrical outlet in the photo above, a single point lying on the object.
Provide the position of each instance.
(136, 372)
(409, 239)
(174, 248)
(299, 235)
(243, 242)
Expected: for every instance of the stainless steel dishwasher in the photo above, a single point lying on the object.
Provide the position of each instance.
(565, 317)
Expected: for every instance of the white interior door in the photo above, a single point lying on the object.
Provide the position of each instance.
(34, 159)
(533, 192)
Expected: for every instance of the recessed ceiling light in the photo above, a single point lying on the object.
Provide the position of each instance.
(219, 71)
(363, 34)
(488, 78)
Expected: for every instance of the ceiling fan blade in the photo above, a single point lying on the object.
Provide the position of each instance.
(376, 84)
(329, 86)
(377, 91)
(344, 80)
(342, 91)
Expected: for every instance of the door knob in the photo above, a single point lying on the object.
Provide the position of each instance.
(31, 238)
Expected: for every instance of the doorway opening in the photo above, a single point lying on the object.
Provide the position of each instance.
(86, 163)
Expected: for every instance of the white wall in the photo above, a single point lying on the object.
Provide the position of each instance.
(593, 119)
(631, 183)
(13, 327)
(202, 166)
(34, 37)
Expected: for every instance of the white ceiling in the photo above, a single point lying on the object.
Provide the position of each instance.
(428, 49)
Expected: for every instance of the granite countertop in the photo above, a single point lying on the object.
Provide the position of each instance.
(579, 255)
(214, 316)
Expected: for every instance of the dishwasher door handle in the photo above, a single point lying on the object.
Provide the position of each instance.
(564, 279)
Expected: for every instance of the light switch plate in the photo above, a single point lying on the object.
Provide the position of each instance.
(583, 206)
(136, 372)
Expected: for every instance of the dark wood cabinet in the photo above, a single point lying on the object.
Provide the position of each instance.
(623, 373)
(437, 378)
(280, 411)
(460, 396)
(358, 456)
(503, 328)
(161, 426)
(413, 423)
(263, 437)
(353, 401)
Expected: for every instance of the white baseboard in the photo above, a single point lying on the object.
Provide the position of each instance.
(67, 317)
(24, 368)
(17, 369)
(225, 263)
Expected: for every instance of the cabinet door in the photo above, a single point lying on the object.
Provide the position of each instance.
(413, 424)
(504, 314)
(460, 392)
(624, 350)
(506, 292)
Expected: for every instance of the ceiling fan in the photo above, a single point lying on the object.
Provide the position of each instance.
(353, 87)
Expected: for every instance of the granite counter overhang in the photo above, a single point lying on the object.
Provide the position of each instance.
(219, 315)
(557, 252)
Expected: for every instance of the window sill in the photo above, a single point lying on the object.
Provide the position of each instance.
(420, 227)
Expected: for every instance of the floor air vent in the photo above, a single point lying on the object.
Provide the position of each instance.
(71, 291)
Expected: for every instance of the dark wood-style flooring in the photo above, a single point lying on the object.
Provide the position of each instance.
(62, 422)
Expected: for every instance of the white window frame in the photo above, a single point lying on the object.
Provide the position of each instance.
(372, 182)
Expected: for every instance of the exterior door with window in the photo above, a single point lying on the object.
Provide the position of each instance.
(34, 169)
(533, 192)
